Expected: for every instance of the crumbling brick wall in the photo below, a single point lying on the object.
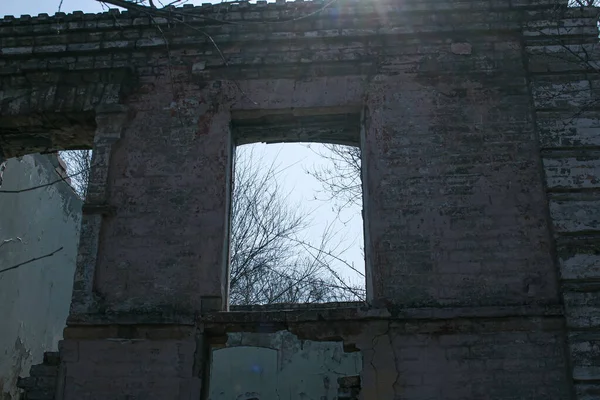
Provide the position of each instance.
(349, 387)
(43, 378)
(462, 217)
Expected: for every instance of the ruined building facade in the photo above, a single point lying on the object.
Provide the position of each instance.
(479, 134)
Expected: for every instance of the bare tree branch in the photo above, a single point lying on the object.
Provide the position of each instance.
(44, 185)
(303, 243)
(31, 260)
(341, 177)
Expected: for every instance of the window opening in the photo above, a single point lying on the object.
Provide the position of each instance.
(78, 164)
(279, 365)
(296, 224)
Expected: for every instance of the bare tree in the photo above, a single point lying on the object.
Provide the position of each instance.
(341, 176)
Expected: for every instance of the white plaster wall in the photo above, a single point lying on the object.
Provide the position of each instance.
(279, 366)
(34, 299)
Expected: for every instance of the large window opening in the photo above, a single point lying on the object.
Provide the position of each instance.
(296, 229)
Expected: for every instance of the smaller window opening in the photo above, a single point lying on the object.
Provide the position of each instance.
(296, 228)
(77, 165)
(265, 365)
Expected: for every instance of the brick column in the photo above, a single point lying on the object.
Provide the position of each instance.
(106, 351)
(563, 91)
(110, 120)
(451, 224)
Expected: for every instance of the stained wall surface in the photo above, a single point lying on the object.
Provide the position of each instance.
(34, 299)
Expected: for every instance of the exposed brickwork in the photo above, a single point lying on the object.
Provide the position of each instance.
(348, 388)
(472, 182)
(564, 81)
(41, 383)
(105, 369)
(404, 85)
(428, 356)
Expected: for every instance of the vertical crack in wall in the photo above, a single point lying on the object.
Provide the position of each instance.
(384, 388)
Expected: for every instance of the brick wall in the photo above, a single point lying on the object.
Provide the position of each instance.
(472, 182)
(563, 55)
(452, 156)
(450, 144)
(432, 355)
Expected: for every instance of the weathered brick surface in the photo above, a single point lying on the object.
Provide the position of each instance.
(579, 258)
(491, 366)
(563, 67)
(514, 358)
(425, 160)
(575, 212)
(42, 381)
(464, 358)
(476, 170)
(106, 369)
(565, 171)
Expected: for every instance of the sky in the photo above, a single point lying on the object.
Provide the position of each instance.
(293, 159)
